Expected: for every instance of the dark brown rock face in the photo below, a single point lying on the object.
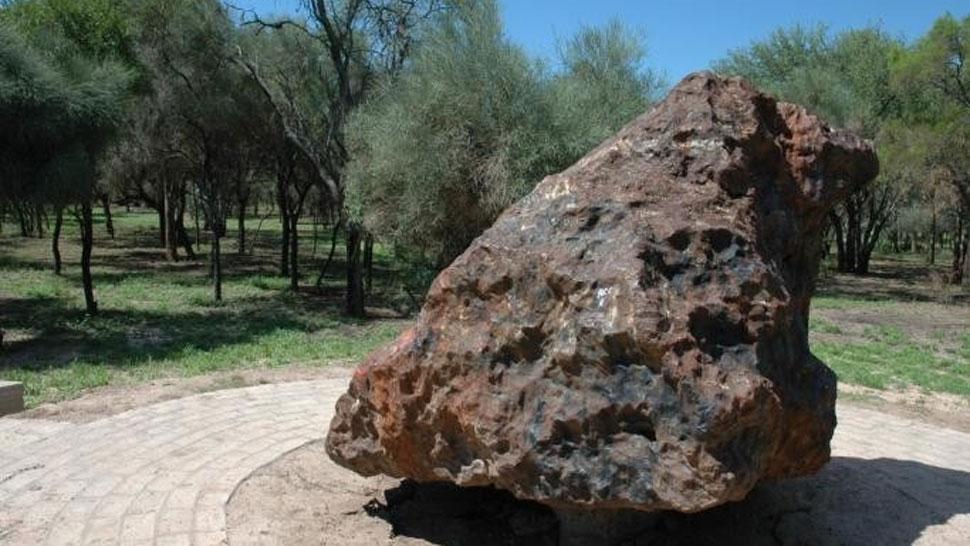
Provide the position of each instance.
(632, 334)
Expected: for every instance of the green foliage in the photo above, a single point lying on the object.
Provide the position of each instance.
(472, 124)
(98, 29)
(846, 79)
(57, 115)
(603, 86)
(936, 65)
(934, 79)
(445, 146)
(777, 61)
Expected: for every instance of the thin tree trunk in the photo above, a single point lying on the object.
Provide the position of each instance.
(841, 253)
(171, 239)
(39, 222)
(216, 267)
(195, 214)
(294, 252)
(183, 237)
(933, 236)
(109, 224)
(23, 220)
(355, 285)
(242, 227)
(180, 232)
(853, 235)
(87, 246)
(333, 250)
(56, 238)
(161, 224)
(961, 247)
(285, 220)
(369, 261)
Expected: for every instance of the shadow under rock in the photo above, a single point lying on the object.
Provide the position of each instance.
(851, 502)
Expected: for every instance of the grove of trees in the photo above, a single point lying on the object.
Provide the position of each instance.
(413, 123)
(912, 100)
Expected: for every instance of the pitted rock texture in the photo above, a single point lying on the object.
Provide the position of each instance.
(632, 334)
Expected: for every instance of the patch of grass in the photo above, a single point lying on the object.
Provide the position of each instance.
(964, 350)
(822, 326)
(882, 364)
(841, 303)
(888, 334)
(159, 320)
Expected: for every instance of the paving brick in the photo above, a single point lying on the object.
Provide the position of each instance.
(164, 473)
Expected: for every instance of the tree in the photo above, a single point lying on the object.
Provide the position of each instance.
(601, 87)
(362, 39)
(472, 124)
(59, 113)
(847, 81)
(935, 78)
(189, 48)
(300, 72)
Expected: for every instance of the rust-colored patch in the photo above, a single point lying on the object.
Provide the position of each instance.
(632, 334)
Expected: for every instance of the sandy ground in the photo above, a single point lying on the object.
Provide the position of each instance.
(304, 499)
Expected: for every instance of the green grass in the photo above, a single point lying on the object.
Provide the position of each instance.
(818, 324)
(159, 320)
(883, 365)
(887, 357)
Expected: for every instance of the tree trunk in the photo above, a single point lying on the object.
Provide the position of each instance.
(853, 235)
(171, 239)
(242, 226)
(961, 248)
(841, 252)
(285, 220)
(183, 237)
(933, 236)
(39, 221)
(109, 224)
(23, 219)
(369, 261)
(180, 232)
(355, 285)
(195, 213)
(56, 238)
(161, 225)
(333, 250)
(216, 266)
(294, 252)
(87, 245)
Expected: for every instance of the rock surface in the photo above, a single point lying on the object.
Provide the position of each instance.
(632, 334)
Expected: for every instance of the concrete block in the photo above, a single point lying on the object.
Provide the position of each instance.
(11, 397)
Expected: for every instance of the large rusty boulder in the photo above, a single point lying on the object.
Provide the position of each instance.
(632, 334)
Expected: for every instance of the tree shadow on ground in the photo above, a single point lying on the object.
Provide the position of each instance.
(896, 280)
(851, 502)
(60, 333)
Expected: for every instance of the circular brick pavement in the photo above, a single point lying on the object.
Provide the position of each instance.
(163, 474)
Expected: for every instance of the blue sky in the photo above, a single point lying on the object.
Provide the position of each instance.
(687, 35)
